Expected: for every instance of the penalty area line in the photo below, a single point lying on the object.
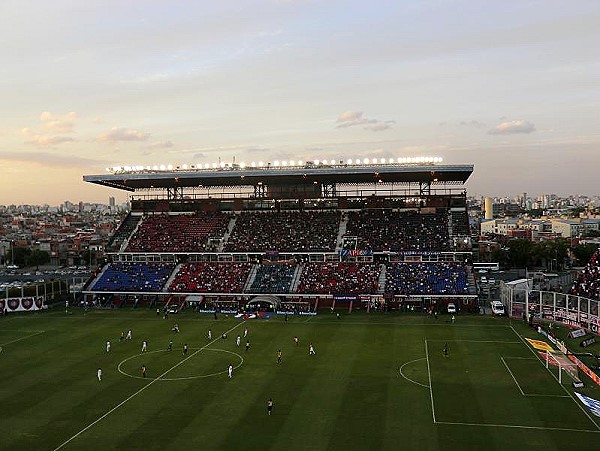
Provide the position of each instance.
(22, 338)
(141, 390)
(517, 426)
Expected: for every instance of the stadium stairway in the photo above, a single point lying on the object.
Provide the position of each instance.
(251, 278)
(471, 281)
(98, 276)
(381, 286)
(125, 242)
(230, 227)
(341, 232)
(296, 278)
(171, 277)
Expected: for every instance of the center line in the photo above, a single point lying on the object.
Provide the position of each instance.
(142, 389)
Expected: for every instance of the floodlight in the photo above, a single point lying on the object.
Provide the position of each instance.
(374, 161)
(366, 161)
(332, 162)
(253, 164)
(276, 163)
(261, 164)
(162, 167)
(242, 165)
(184, 166)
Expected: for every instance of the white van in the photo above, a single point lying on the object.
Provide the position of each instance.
(497, 308)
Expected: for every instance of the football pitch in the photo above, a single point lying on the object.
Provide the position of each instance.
(377, 381)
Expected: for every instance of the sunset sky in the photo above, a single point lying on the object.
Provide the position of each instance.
(512, 87)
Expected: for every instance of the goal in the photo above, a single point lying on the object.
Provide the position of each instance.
(559, 362)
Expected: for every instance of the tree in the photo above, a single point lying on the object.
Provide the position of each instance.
(584, 252)
(19, 255)
(37, 258)
(520, 253)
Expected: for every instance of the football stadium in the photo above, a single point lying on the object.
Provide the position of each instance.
(316, 305)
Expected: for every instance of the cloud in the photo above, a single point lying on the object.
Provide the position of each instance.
(379, 126)
(117, 134)
(350, 116)
(473, 123)
(160, 145)
(45, 140)
(353, 118)
(512, 127)
(58, 123)
(49, 159)
(52, 127)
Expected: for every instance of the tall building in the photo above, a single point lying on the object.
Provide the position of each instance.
(489, 208)
(111, 201)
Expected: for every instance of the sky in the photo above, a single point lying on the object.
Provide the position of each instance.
(512, 87)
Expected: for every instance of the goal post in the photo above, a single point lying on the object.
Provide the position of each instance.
(563, 364)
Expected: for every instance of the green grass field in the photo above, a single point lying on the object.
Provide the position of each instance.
(378, 381)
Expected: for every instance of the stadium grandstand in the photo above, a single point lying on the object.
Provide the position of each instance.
(290, 236)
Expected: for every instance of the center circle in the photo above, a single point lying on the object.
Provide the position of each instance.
(126, 365)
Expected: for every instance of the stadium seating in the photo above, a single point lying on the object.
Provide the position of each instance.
(387, 230)
(123, 277)
(426, 278)
(178, 233)
(284, 232)
(338, 278)
(211, 278)
(273, 278)
(123, 232)
(587, 283)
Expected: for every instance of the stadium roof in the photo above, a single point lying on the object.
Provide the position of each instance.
(142, 179)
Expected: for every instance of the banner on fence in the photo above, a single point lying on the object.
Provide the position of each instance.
(25, 304)
(592, 404)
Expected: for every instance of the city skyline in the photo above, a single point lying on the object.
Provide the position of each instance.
(510, 88)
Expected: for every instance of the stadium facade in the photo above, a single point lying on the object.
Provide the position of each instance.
(292, 236)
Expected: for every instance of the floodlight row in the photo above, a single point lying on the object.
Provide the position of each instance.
(277, 164)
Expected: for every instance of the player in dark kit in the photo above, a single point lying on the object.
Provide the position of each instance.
(247, 345)
(185, 349)
(143, 370)
(279, 356)
(269, 406)
(445, 350)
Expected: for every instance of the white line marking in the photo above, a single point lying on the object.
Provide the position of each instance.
(142, 389)
(476, 341)
(179, 378)
(522, 392)
(520, 358)
(555, 378)
(517, 426)
(513, 376)
(22, 338)
(408, 378)
(430, 386)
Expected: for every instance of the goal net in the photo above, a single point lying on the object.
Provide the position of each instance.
(558, 363)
